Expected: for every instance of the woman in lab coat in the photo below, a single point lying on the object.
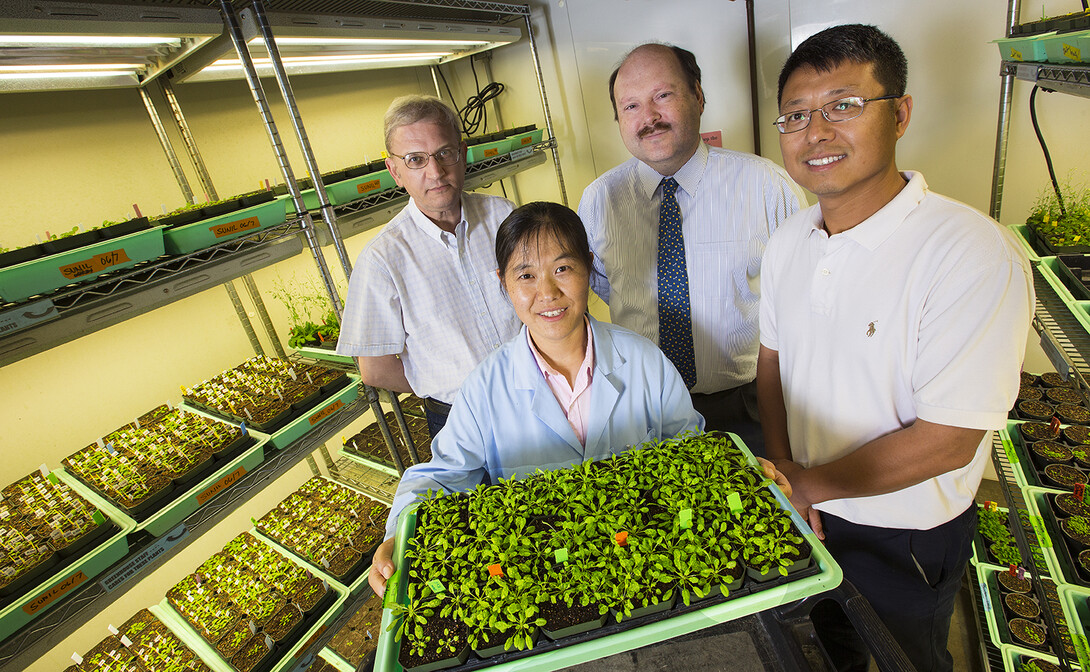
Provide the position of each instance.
(566, 389)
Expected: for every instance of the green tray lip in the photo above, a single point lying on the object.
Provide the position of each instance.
(1010, 436)
(168, 517)
(361, 581)
(318, 353)
(139, 246)
(378, 466)
(116, 547)
(164, 611)
(1010, 653)
(534, 135)
(196, 236)
(290, 432)
(334, 659)
(1068, 597)
(1035, 45)
(346, 191)
(1025, 240)
(474, 153)
(830, 577)
(1078, 308)
(1054, 43)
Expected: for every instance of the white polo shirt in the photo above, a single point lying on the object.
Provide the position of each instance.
(920, 311)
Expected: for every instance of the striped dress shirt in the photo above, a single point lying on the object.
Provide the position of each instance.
(730, 202)
(431, 296)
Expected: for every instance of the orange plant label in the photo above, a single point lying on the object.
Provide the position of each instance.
(491, 152)
(326, 412)
(46, 598)
(237, 226)
(527, 140)
(370, 185)
(495, 570)
(621, 538)
(221, 485)
(95, 264)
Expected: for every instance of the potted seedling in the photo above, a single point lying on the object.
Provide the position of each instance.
(1061, 219)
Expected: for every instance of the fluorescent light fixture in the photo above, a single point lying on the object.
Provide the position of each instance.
(347, 59)
(86, 41)
(370, 42)
(66, 74)
(70, 68)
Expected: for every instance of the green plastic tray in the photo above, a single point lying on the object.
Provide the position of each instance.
(1028, 49)
(54, 589)
(23, 281)
(488, 150)
(989, 592)
(205, 233)
(168, 518)
(1025, 239)
(1014, 656)
(336, 661)
(1035, 500)
(828, 578)
(324, 354)
(1016, 453)
(1049, 268)
(1078, 615)
(317, 415)
(526, 139)
(1067, 48)
(360, 187)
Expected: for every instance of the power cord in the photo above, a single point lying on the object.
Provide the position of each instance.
(474, 115)
(1044, 147)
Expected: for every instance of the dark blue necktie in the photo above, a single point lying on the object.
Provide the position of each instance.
(675, 323)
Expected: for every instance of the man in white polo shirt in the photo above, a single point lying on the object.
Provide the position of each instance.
(424, 306)
(893, 326)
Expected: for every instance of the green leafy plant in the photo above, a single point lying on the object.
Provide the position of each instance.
(1066, 222)
(312, 320)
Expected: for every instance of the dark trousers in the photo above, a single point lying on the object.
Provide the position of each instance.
(733, 410)
(910, 577)
(435, 412)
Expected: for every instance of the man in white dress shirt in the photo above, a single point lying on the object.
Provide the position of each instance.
(424, 304)
(728, 202)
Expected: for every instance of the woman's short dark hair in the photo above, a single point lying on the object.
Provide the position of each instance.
(528, 223)
(855, 43)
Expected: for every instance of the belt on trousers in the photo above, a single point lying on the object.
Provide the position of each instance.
(436, 406)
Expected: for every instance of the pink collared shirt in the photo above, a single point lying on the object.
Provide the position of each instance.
(573, 400)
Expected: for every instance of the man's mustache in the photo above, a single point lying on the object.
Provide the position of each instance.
(656, 127)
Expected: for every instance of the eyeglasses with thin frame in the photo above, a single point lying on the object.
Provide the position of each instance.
(844, 109)
(447, 156)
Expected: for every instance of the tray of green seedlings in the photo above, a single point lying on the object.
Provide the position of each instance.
(144, 465)
(1014, 613)
(1053, 455)
(1066, 518)
(252, 605)
(1049, 395)
(55, 535)
(994, 544)
(44, 527)
(266, 393)
(569, 565)
(369, 446)
(330, 526)
(357, 641)
(142, 643)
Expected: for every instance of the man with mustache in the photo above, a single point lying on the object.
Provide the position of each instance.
(678, 232)
(424, 306)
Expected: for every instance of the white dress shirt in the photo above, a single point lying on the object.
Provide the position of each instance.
(920, 311)
(431, 296)
(730, 204)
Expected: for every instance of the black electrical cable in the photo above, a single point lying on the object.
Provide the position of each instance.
(1044, 147)
(474, 114)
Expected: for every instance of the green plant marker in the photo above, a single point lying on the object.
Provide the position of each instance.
(561, 554)
(1008, 447)
(390, 598)
(98, 517)
(1081, 651)
(734, 501)
(437, 586)
(53, 478)
(685, 516)
(1039, 528)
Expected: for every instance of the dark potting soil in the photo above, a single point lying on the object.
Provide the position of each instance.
(1012, 583)
(433, 629)
(1071, 505)
(1071, 414)
(1052, 451)
(1037, 431)
(1064, 395)
(1028, 393)
(1027, 633)
(1022, 605)
(1029, 378)
(1064, 475)
(1038, 410)
(558, 616)
(1053, 379)
(1071, 528)
(1077, 435)
(1042, 665)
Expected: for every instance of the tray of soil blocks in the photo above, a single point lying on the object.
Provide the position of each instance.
(274, 396)
(369, 447)
(1067, 521)
(142, 643)
(357, 641)
(249, 608)
(1014, 613)
(1040, 398)
(1075, 601)
(326, 351)
(54, 536)
(145, 465)
(46, 270)
(1050, 455)
(329, 526)
(186, 238)
(570, 565)
(359, 186)
(995, 545)
(1017, 660)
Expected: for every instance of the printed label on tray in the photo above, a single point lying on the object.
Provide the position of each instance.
(1043, 539)
(491, 152)
(1016, 55)
(25, 316)
(138, 562)
(370, 185)
(1072, 52)
(237, 226)
(95, 264)
(310, 641)
(326, 412)
(220, 485)
(521, 152)
(49, 596)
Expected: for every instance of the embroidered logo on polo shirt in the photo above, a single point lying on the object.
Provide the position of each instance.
(871, 329)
